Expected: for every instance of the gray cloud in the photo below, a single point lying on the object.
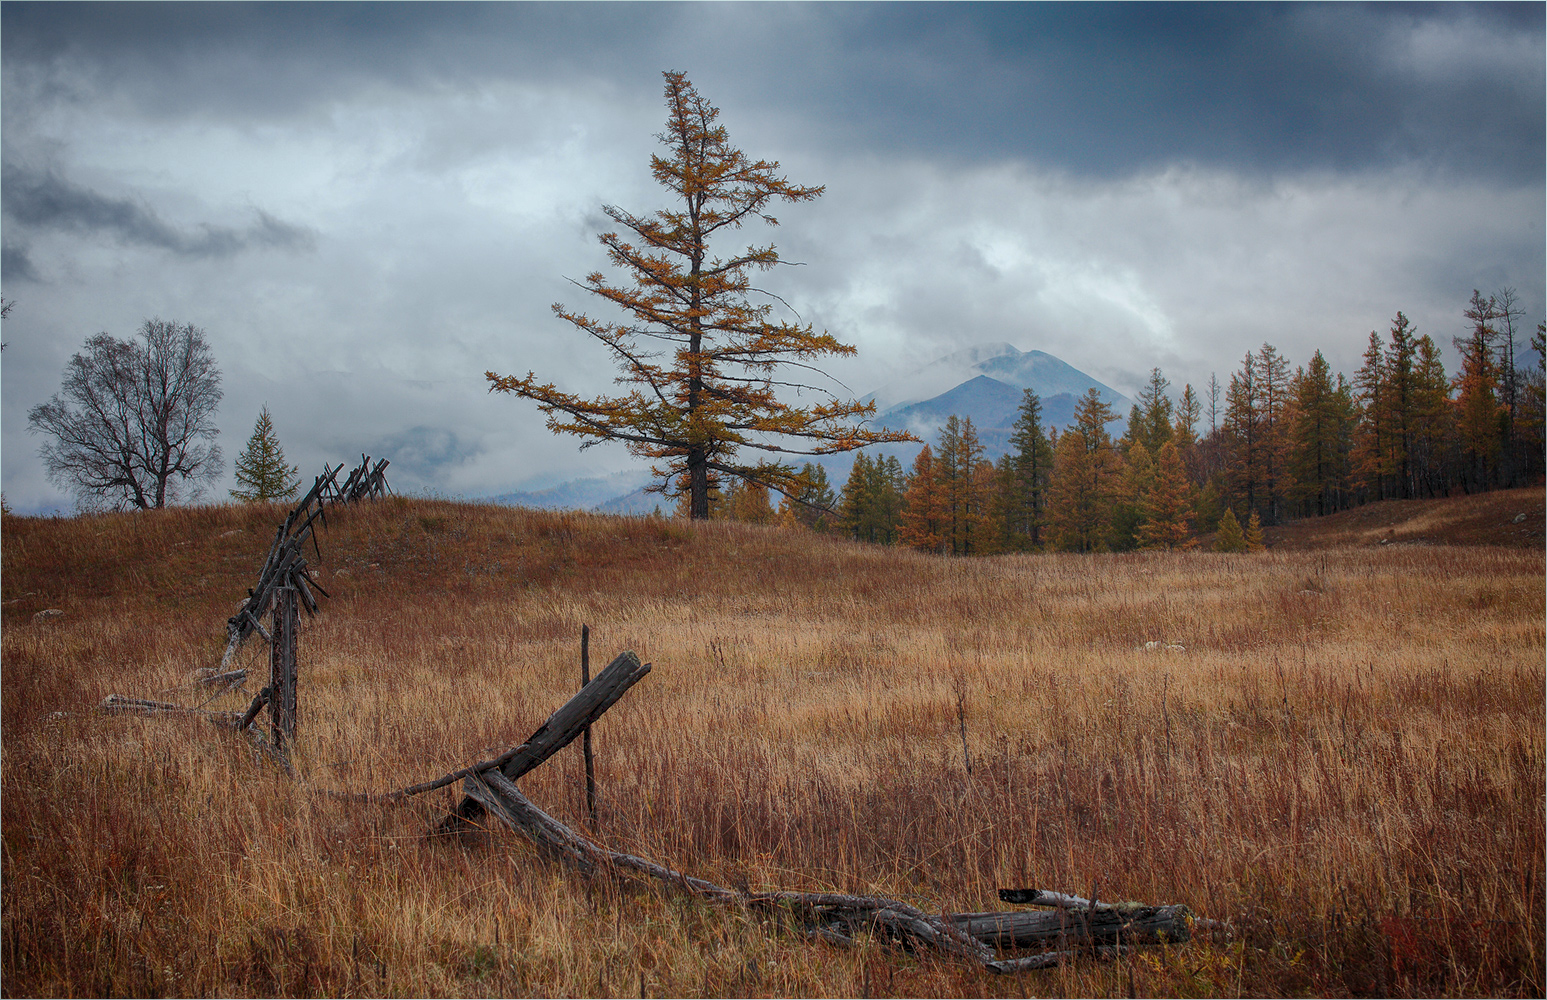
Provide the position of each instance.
(44, 200)
(1122, 186)
(15, 264)
(1108, 89)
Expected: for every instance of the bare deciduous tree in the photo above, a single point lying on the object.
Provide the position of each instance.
(132, 425)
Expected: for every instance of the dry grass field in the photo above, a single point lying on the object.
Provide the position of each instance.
(1345, 761)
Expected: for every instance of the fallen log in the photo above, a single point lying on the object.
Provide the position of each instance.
(1124, 923)
(118, 705)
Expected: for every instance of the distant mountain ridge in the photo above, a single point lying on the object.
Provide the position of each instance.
(987, 383)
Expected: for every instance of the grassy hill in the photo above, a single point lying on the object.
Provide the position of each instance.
(1343, 757)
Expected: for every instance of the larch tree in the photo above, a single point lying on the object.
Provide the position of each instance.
(1087, 473)
(1230, 537)
(1167, 506)
(1246, 464)
(1373, 430)
(704, 363)
(922, 505)
(1318, 432)
(1479, 417)
(261, 472)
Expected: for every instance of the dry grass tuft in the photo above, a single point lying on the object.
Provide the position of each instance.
(1345, 758)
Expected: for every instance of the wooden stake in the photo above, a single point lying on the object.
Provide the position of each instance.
(282, 679)
(585, 741)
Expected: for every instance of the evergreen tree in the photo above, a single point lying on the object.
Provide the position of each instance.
(1024, 491)
(1230, 538)
(1254, 540)
(855, 500)
(1373, 430)
(1400, 399)
(261, 472)
(1188, 409)
(1479, 416)
(1138, 478)
(922, 505)
(1273, 383)
(1318, 431)
(1168, 504)
(1433, 421)
(813, 507)
(1086, 479)
(1246, 457)
(1155, 412)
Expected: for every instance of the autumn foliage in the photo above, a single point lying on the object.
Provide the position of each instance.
(704, 364)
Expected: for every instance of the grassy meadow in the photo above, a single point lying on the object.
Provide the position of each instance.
(1343, 758)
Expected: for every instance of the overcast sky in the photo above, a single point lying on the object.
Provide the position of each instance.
(367, 206)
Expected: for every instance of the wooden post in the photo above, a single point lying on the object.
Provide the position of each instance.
(282, 679)
(585, 742)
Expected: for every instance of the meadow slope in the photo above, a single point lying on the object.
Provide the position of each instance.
(1344, 758)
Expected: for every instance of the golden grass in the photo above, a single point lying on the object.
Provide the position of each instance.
(1346, 760)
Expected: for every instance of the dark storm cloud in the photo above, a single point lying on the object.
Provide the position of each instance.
(15, 263)
(44, 200)
(1094, 89)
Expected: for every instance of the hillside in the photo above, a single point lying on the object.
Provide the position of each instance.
(1271, 739)
(1511, 518)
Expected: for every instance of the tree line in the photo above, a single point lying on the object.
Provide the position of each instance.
(1279, 445)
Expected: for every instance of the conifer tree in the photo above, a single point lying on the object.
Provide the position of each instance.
(1433, 421)
(813, 507)
(1478, 414)
(1373, 430)
(1319, 431)
(854, 501)
(261, 472)
(1024, 489)
(1230, 537)
(1254, 540)
(1138, 478)
(1246, 464)
(1086, 479)
(704, 362)
(921, 505)
(1167, 506)
(1273, 383)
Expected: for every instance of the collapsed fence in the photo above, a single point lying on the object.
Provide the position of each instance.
(1068, 925)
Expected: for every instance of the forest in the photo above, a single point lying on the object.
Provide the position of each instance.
(1271, 446)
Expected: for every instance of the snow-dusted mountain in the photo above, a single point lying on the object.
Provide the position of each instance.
(1035, 370)
(986, 383)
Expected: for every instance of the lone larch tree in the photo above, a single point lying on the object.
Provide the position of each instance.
(703, 363)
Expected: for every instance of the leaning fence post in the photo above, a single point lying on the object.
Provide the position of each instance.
(282, 679)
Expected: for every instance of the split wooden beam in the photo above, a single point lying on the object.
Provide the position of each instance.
(561, 729)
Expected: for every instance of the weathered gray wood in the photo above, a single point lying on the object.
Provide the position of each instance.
(588, 705)
(115, 704)
(585, 742)
(1128, 923)
(501, 799)
(259, 700)
(1048, 959)
(282, 666)
(1043, 897)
